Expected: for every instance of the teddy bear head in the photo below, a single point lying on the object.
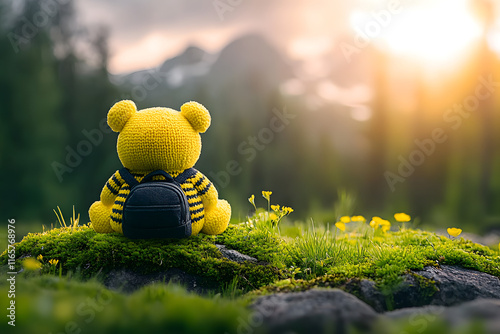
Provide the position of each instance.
(158, 138)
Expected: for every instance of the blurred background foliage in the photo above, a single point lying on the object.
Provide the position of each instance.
(352, 123)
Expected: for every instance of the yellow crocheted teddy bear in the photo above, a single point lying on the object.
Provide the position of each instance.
(165, 139)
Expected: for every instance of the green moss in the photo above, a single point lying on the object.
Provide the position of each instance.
(427, 287)
(48, 304)
(385, 259)
(297, 285)
(363, 254)
(394, 254)
(83, 250)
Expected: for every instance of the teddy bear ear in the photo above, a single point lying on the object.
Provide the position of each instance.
(120, 113)
(197, 115)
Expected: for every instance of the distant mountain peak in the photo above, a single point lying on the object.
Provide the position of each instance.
(250, 51)
(193, 53)
(249, 44)
(190, 56)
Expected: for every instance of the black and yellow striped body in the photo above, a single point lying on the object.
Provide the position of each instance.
(193, 183)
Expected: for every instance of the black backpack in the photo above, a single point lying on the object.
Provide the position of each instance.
(155, 209)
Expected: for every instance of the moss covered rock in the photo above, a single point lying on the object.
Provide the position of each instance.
(400, 269)
(84, 251)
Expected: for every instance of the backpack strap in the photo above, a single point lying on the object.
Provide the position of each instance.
(128, 178)
(150, 176)
(182, 177)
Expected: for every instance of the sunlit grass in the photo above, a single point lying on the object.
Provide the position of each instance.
(378, 248)
(73, 221)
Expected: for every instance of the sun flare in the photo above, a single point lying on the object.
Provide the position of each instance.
(436, 32)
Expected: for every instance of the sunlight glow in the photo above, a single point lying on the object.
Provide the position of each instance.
(436, 31)
(494, 38)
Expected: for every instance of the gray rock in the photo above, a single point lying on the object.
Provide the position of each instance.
(312, 311)
(457, 285)
(371, 295)
(484, 311)
(128, 281)
(452, 285)
(409, 293)
(413, 312)
(233, 255)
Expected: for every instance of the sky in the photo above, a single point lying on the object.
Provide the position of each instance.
(145, 33)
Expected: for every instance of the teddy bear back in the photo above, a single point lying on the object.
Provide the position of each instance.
(158, 138)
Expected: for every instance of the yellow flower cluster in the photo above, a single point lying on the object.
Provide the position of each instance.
(267, 195)
(53, 262)
(377, 222)
(277, 213)
(346, 219)
(385, 225)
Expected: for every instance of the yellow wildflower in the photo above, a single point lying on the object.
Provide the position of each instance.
(454, 232)
(53, 262)
(374, 224)
(384, 222)
(39, 257)
(345, 219)
(402, 217)
(275, 207)
(287, 210)
(251, 199)
(386, 227)
(340, 226)
(267, 195)
(358, 219)
(273, 216)
(31, 264)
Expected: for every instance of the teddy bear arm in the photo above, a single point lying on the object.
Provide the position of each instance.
(111, 189)
(210, 198)
(206, 190)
